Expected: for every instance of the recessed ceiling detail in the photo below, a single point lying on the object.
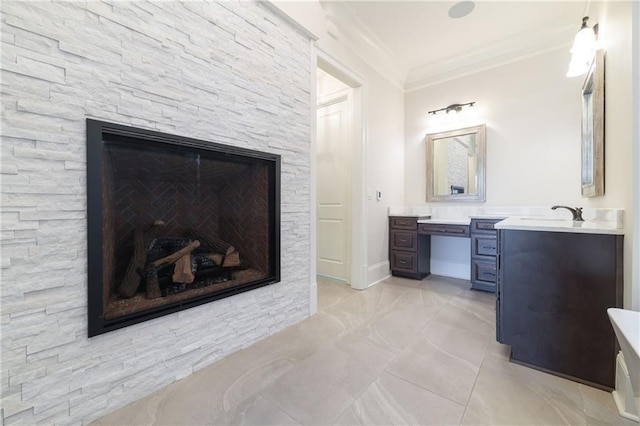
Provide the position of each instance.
(461, 9)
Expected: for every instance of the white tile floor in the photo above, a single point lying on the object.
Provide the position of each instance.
(401, 352)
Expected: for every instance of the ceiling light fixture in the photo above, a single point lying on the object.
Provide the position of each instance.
(583, 49)
(453, 107)
(461, 9)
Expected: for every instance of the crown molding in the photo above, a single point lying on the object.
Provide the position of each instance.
(344, 26)
(510, 50)
(433, 79)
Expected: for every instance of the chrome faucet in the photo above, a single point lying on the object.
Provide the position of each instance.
(576, 212)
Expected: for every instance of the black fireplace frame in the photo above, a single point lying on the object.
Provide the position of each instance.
(97, 132)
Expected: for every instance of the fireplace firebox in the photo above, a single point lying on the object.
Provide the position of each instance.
(175, 222)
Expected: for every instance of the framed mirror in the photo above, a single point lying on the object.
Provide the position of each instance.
(456, 165)
(593, 129)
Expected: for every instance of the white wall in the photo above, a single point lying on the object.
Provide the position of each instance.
(532, 112)
(228, 72)
(533, 116)
(384, 128)
(385, 160)
(615, 35)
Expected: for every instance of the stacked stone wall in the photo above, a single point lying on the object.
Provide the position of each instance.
(230, 72)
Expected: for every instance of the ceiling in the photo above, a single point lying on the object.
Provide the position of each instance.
(416, 43)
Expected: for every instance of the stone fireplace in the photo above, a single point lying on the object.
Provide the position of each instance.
(174, 223)
(234, 72)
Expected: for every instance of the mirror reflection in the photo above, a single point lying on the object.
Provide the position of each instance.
(455, 165)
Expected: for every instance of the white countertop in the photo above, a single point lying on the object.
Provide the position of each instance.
(489, 216)
(444, 221)
(558, 225)
(532, 218)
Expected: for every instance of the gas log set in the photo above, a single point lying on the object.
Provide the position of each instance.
(163, 265)
(168, 270)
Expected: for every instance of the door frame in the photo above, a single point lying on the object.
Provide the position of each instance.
(635, 206)
(325, 61)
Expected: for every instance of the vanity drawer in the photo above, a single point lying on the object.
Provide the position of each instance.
(406, 223)
(484, 245)
(483, 271)
(404, 261)
(484, 252)
(442, 229)
(484, 225)
(404, 240)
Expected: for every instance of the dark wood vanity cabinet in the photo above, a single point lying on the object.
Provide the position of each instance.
(444, 229)
(553, 292)
(408, 254)
(484, 251)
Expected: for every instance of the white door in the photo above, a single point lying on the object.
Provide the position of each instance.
(334, 187)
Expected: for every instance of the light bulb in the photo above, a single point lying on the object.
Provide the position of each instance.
(582, 52)
(585, 41)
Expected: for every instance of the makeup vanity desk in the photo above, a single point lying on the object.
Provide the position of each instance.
(410, 246)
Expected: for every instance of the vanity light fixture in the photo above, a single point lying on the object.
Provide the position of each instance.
(452, 107)
(583, 49)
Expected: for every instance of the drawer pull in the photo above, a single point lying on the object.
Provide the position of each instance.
(489, 247)
(455, 231)
(491, 274)
(403, 262)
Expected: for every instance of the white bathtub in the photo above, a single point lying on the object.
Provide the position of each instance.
(626, 324)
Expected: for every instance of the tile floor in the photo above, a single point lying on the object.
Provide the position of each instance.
(401, 352)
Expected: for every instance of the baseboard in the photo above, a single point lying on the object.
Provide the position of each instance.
(332, 277)
(451, 269)
(313, 298)
(378, 272)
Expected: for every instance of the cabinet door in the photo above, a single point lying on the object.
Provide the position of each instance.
(555, 288)
(404, 240)
(404, 261)
(484, 272)
(406, 223)
(484, 225)
(484, 245)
